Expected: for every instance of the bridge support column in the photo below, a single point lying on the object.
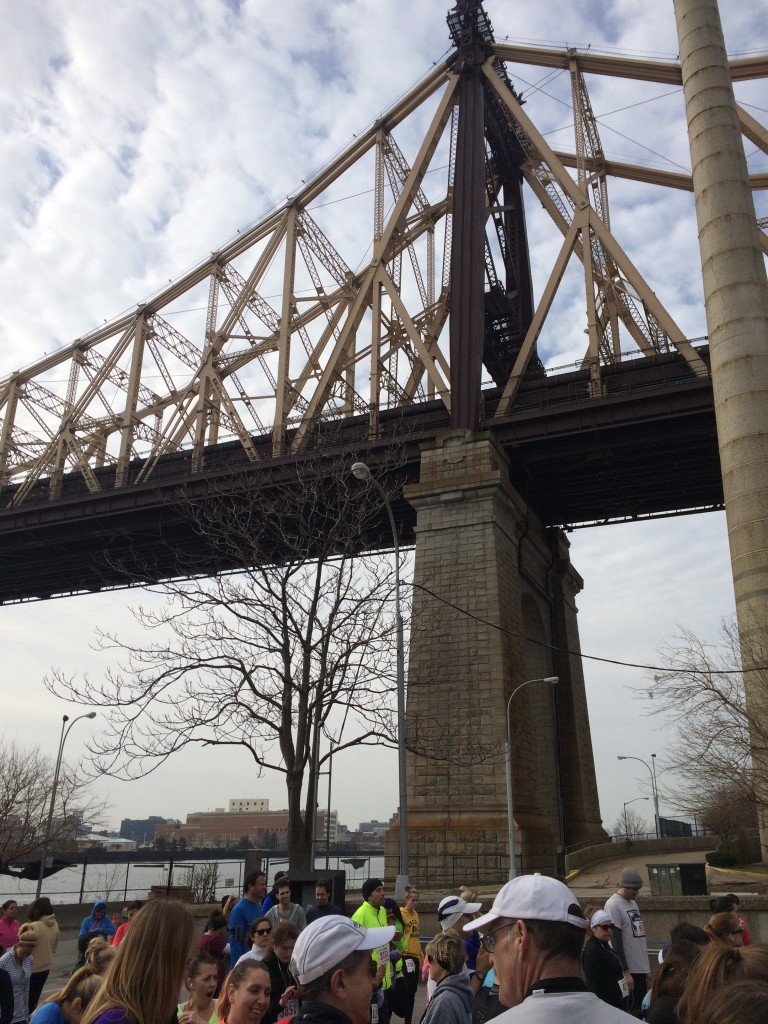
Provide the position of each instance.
(492, 592)
(736, 300)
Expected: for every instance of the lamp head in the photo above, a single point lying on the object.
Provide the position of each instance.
(360, 471)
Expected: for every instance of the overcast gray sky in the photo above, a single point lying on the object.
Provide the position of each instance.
(137, 137)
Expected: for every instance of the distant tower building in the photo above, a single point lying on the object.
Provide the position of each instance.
(248, 806)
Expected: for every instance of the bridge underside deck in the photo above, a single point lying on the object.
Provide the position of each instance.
(645, 447)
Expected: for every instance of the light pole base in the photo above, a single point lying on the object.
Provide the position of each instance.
(400, 883)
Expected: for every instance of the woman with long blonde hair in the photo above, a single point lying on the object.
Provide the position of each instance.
(68, 1005)
(143, 981)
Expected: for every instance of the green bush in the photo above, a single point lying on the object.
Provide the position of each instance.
(720, 859)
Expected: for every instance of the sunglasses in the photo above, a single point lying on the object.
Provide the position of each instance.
(263, 931)
(488, 938)
(608, 926)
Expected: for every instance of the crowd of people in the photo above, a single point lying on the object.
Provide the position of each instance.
(535, 956)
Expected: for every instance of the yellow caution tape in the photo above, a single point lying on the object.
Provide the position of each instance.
(735, 871)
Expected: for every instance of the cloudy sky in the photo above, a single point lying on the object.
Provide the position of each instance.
(137, 137)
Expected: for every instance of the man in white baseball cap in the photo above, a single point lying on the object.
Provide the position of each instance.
(333, 966)
(535, 930)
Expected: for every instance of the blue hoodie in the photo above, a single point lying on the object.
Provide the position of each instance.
(102, 925)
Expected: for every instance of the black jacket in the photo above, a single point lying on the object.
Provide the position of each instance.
(603, 971)
(281, 979)
(6, 998)
(320, 1013)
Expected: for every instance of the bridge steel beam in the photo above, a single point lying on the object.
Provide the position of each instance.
(736, 300)
(493, 598)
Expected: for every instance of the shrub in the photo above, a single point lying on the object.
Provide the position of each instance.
(720, 859)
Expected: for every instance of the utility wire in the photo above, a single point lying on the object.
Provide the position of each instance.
(568, 650)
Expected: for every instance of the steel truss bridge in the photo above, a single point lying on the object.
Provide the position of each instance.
(415, 315)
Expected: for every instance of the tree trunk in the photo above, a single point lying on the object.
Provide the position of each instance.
(299, 835)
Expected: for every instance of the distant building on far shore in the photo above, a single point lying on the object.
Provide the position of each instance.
(248, 822)
(142, 830)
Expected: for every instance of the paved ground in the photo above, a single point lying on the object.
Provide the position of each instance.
(601, 878)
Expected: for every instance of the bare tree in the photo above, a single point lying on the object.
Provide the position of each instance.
(729, 813)
(202, 881)
(26, 781)
(630, 825)
(720, 732)
(297, 644)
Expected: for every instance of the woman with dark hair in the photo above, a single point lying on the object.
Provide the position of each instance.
(400, 995)
(246, 994)
(260, 938)
(200, 982)
(730, 904)
(602, 970)
(284, 997)
(9, 926)
(670, 980)
(215, 942)
(142, 982)
(43, 922)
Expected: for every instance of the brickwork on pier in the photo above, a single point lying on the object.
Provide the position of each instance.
(482, 562)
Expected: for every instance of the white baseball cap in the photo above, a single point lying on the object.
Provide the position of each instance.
(533, 898)
(452, 908)
(329, 940)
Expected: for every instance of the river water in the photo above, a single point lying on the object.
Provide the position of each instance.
(114, 882)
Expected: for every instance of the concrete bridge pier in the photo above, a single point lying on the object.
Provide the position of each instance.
(494, 597)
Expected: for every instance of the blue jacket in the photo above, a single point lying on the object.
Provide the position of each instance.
(104, 925)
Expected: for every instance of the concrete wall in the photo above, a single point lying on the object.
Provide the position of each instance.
(637, 848)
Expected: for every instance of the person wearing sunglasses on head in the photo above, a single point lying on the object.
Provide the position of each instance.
(602, 969)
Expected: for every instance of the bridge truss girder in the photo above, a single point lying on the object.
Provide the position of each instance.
(357, 328)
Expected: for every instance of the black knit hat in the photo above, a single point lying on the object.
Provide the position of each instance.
(369, 885)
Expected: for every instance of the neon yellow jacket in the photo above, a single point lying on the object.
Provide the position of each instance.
(369, 917)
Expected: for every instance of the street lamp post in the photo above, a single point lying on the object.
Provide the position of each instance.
(47, 837)
(362, 472)
(626, 805)
(508, 767)
(654, 787)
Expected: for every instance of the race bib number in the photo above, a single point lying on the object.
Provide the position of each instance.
(382, 955)
(624, 987)
(374, 1013)
(410, 966)
(291, 1007)
(638, 928)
